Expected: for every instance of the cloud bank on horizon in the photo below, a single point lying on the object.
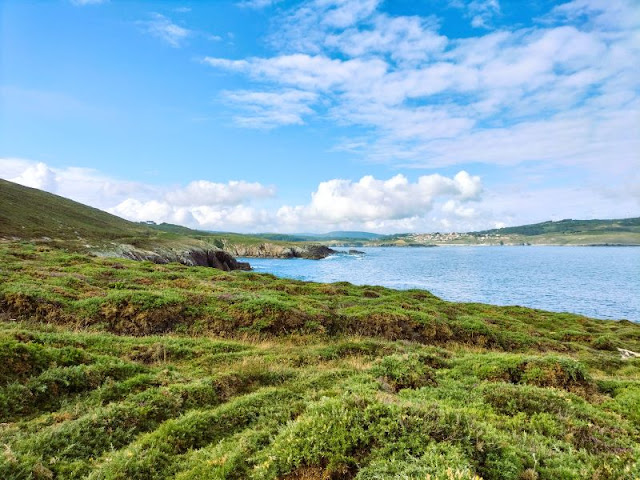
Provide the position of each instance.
(393, 205)
(505, 121)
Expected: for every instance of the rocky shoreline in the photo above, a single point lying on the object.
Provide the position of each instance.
(222, 259)
(201, 257)
(271, 250)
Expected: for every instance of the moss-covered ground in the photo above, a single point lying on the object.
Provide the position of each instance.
(114, 369)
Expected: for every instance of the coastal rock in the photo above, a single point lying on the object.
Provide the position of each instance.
(201, 257)
(355, 252)
(271, 250)
(628, 354)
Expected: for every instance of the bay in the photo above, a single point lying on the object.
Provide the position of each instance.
(600, 282)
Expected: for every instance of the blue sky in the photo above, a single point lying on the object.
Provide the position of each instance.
(317, 115)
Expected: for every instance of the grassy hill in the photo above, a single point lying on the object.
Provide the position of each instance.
(276, 238)
(220, 238)
(131, 370)
(29, 213)
(34, 215)
(627, 225)
(564, 232)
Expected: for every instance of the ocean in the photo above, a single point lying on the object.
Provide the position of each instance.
(600, 282)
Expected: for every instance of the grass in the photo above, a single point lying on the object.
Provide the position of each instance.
(21, 216)
(114, 369)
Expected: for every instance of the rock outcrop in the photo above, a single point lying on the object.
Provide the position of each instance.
(202, 257)
(628, 354)
(271, 250)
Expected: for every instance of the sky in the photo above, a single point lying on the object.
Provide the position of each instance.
(321, 115)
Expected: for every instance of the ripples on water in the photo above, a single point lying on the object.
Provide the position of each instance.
(601, 282)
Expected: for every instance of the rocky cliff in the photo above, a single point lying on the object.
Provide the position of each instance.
(202, 257)
(271, 250)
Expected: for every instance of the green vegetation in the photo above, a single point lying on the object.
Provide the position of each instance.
(115, 369)
(564, 232)
(22, 216)
(72, 225)
(630, 225)
(345, 236)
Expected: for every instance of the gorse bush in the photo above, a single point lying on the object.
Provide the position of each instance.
(140, 298)
(396, 372)
(255, 377)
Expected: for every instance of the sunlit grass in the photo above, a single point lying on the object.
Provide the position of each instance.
(113, 369)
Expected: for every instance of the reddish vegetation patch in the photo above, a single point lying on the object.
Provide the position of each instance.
(319, 473)
(306, 473)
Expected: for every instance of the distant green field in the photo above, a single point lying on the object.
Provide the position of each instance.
(627, 225)
(114, 369)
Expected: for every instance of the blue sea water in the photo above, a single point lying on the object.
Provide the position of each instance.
(601, 282)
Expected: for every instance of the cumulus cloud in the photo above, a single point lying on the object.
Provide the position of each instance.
(200, 204)
(37, 176)
(203, 192)
(370, 201)
(430, 203)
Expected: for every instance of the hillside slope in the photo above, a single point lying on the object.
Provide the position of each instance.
(255, 246)
(34, 215)
(29, 213)
(629, 225)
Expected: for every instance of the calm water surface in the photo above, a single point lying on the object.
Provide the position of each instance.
(601, 282)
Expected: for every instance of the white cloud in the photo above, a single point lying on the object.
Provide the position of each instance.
(408, 39)
(163, 28)
(308, 72)
(37, 176)
(517, 205)
(200, 204)
(343, 13)
(456, 208)
(430, 203)
(257, 4)
(370, 201)
(203, 192)
(210, 217)
(482, 12)
(270, 109)
(563, 88)
(599, 14)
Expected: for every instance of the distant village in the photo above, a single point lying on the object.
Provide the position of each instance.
(439, 238)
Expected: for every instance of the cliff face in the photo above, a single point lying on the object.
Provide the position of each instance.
(270, 250)
(194, 257)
